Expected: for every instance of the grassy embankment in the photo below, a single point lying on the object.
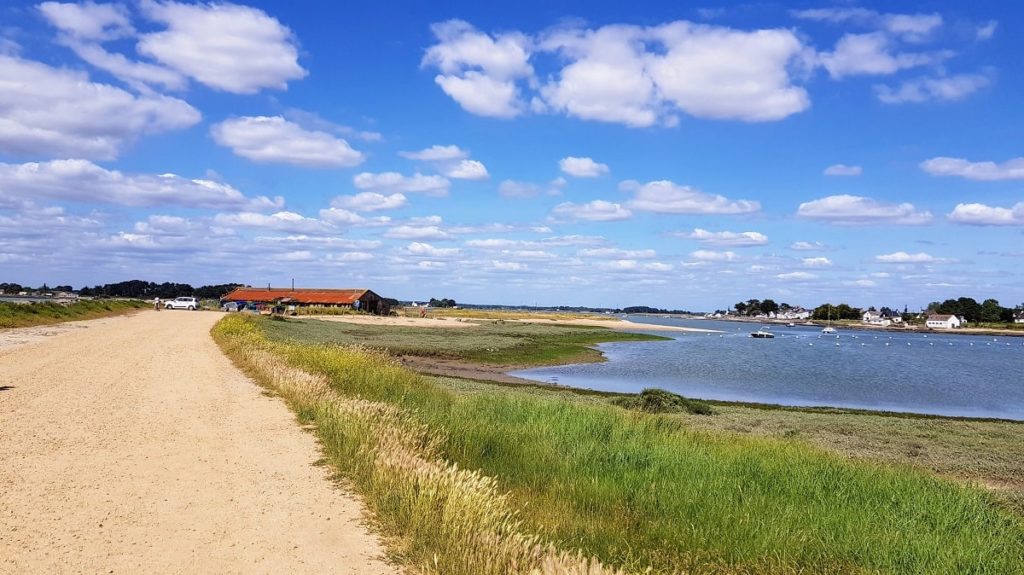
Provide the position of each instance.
(433, 458)
(26, 315)
(493, 342)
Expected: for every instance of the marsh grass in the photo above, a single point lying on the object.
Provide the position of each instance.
(653, 400)
(480, 482)
(26, 315)
(501, 343)
(507, 315)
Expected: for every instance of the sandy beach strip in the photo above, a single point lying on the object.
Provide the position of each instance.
(460, 322)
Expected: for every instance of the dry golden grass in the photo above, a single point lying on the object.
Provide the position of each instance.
(507, 315)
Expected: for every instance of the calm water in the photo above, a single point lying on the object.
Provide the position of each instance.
(960, 375)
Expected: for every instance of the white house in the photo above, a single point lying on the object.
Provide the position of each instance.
(1018, 317)
(942, 321)
(875, 318)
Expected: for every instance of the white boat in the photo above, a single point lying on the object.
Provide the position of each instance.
(828, 329)
(763, 333)
(790, 324)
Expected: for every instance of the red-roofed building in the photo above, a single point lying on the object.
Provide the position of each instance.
(367, 300)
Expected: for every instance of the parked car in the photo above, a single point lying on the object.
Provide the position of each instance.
(189, 303)
(232, 306)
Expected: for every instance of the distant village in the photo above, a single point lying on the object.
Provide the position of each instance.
(949, 314)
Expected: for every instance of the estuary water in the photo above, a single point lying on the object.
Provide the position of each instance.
(942, 374)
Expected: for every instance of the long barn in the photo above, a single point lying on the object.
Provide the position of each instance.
(367, 300)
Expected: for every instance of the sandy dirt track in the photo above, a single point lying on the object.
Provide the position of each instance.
(132, 445)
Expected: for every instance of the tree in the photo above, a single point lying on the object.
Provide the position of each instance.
(741, 308)
(991, 311)
(769, 306)
(445, 302)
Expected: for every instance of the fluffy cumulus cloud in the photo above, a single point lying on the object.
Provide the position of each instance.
(47, 111)
(936, 89)
(732, 239)
(871, 54)
(88, 20)
(713, 256)
(420, 249)
(984, 215)
(83, 181)
(617, 253)
(276, 140)
(907, 258)
(478, 70)
(594, 211)
(666, 197)
(370, 202)
(417, 232)
(227, 47)
(279, 221)
(451, 161)
(986, 171)
(913, 28)
(818, 262)
(393, 182)
(843, 170)
(582, 167)
(856, 210)
(633, 75)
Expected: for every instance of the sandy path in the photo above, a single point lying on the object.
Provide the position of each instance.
(134, 446)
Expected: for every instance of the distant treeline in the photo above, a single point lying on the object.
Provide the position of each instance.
(646, 309)
(988, 311)
(146, 290)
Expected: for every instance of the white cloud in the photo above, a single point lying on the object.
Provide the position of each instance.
(733, 239)
(907, 27)
(939, 89)
(906, 258)
(640, 76)
(279, 221)
(629, 265)
(843, 170)
(807, 246)
(343, 217)
(616, 253)
(987, 31)
(227, 47)
(393, 182)
(594, 211)
(713, 256)
(88, 20)
(276, 140)
(437, 153)
(504, 266)
(83, 181)
(819, 262)
(407, 232)
(871, 53)
(985, 171)
(796, 276)
(479, 71)
(983, 215)
(666, 197)
(57, 112)
(452, 161)
(370, 202)
(865, 283)
(856, 210)
(420, 249)
(582, 167)
(467, 170)
(296, 256)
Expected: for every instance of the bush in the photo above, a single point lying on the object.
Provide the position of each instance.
(653, 400)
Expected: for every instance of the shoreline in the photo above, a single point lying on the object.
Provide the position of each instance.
(862, 327)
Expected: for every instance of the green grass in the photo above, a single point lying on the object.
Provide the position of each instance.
(493, 342)
(639, 490)
(26, 315)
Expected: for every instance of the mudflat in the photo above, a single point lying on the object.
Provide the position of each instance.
(133, 445)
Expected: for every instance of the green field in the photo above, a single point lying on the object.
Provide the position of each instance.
(465, 476)
(26, 315)
(494, 342)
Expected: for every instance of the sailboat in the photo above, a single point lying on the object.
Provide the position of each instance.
(828, 329)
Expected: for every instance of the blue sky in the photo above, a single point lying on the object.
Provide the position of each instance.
(545, 153)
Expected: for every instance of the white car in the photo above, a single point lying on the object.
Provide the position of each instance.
(189, 303)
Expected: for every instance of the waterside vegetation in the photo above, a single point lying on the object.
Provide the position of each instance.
(473, 478)
(45, 313)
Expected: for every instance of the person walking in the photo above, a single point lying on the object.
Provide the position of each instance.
(156, 303)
